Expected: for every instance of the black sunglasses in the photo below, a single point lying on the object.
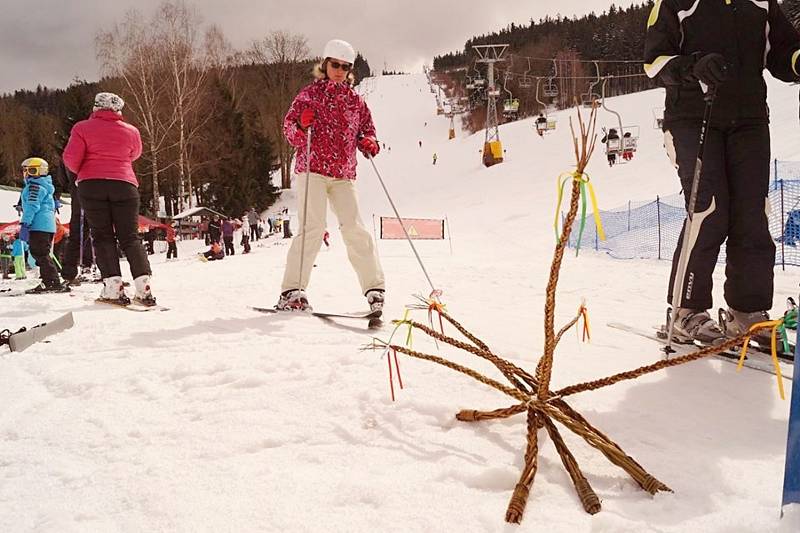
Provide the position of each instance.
(341, 66)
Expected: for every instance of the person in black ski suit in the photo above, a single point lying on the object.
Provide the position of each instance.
(611, 152)
(215, 229)
(78, 233)
(723, 46)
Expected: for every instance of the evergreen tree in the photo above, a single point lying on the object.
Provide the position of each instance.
(361, 68)
(241, 177)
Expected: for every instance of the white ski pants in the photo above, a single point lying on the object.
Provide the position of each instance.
(360, 247)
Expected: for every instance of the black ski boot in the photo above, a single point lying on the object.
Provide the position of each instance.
(49, 286)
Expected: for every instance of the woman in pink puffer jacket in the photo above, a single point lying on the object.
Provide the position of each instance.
(339, 122)
(101, 151)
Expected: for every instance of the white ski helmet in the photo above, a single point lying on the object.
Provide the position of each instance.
(108, 101)
(341, 50)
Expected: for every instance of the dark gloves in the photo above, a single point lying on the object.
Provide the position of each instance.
(24, 232)
(711, 69)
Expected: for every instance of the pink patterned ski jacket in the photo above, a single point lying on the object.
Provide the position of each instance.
(341, 117)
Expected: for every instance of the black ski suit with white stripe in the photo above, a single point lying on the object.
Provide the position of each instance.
(732, 196)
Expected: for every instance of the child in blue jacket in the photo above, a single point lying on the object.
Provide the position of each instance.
(38, 222)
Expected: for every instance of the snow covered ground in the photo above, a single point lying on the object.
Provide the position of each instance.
(212, 417)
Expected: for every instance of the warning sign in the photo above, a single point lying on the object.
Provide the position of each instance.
(417, 228)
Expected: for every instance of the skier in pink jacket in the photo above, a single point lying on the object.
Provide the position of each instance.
(339, 122)
(101, 151)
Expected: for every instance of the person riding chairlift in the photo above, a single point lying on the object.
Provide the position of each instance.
(541, 124)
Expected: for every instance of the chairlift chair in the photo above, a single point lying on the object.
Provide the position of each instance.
(548, 124)
(658, 118)
(526, 82)
(623, 147)
(550, 88)
(511, 107)
(588, 98)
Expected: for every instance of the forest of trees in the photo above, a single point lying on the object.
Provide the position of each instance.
(616, 34)
(561, 48)
(210, 116)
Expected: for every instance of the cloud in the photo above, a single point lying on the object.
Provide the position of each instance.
(51, 42)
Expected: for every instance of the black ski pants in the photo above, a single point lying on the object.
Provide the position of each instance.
(112, 209)
(78, 236)
(40, 243)
(172, 250)
(229, 249)
(731, 204)
(254, 232)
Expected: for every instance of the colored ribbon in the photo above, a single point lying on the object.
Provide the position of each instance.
(586, 189)
(774, 325)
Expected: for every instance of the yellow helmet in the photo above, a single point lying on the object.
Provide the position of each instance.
(35, 166)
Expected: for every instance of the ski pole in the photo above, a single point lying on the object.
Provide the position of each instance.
(683, 257)
(305, 207)
(400, 220)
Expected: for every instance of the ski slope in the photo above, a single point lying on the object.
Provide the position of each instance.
(212, 417)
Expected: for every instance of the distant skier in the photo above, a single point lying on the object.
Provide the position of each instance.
(172, 245)
(101, 151)
(227, 236)
(325, 239)
(724, 47)
(38, 223)
(214, 253)
(434, 158)
(420, 144)
(339, 122)
(214, 229)
(252, 221)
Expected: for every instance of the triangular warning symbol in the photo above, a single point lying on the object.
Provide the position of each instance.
(413, 231)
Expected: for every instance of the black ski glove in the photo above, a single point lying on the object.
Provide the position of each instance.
(711, 69)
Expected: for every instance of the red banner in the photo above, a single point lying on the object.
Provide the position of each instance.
(417, 228)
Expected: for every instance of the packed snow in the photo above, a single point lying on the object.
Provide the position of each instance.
(213, 417)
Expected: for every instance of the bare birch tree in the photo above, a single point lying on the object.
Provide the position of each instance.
(178, 26)
(132, 53)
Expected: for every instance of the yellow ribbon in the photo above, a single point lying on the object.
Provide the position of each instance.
(773, 325)
(584, 182)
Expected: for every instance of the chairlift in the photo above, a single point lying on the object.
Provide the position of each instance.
(478, 80)
(591, 96)
(550, 88)
(511, 104)
(624, 143)
(526, 82)
(544, 123)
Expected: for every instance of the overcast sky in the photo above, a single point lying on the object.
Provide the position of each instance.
(50, 42)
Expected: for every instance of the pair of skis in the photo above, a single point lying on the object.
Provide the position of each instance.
(755, 359)
(373, 317)
(132, 306)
